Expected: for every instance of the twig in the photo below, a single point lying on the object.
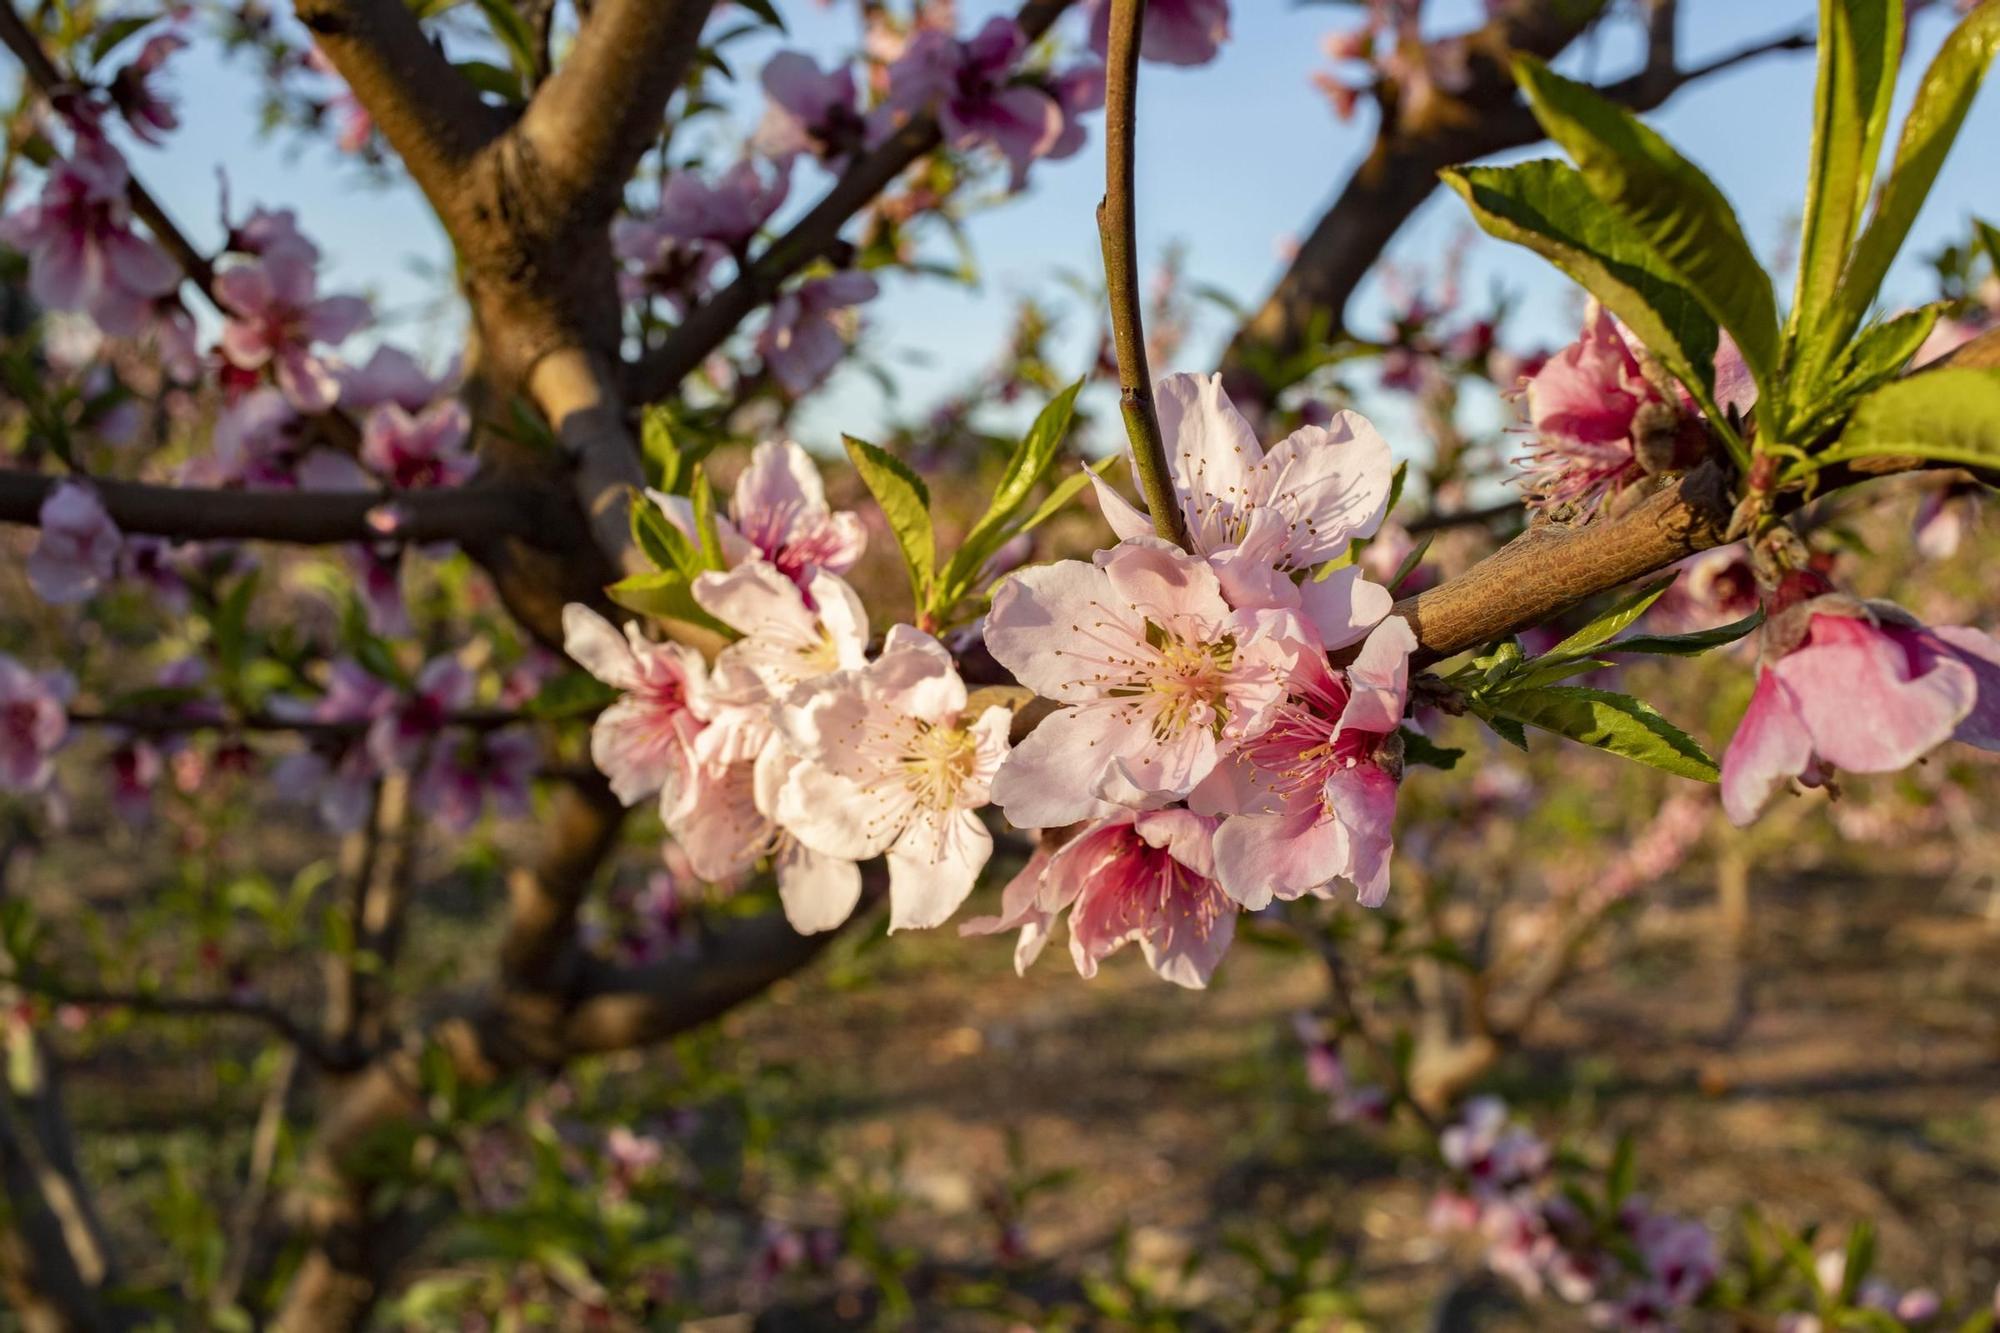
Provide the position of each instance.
(47, 76)
(282, 1024)
(1384, 1059)
(467, 515)
(658, 374)
(171, 724)
(1117, 226)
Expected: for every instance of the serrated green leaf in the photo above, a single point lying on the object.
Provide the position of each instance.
(1412, 560)
(1546, 206)
(1948, 415)
(1507, 729)
(1689, 644)
(1551, 671)
(1881, 351)
(1860, 45)
(1670, 202)
(1606, 626)
(1608, 721)
(1943, 99)
(668, 595)
(906, 503)
(1030, 460)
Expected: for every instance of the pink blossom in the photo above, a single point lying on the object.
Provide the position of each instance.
(791, 636)
(729, 212)
(1584, 406)
(1260, 518)
(82, 252)
(1945, 514)
(968, 84)
(1134, 875)
(428, 449)
(656, 262)
(150, 115)
(1161, 678)
(802, 340)
(336, 771)
(378, 582)
(1679, 1255)
(645, 742)
(136, 769)
(276, 317)
(1713, 588)
(1857, 686)
(400, 733)
(893, 764)
(78, 550)
(1493, 1155)
(34, 722)
(471, 769)
(390, 375)
(1312, 799)
(257, 442)
(778, 513)
(1176, 32)
(1077, 90)
(809, 110)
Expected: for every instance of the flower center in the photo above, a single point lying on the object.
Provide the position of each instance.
(937, 763)
(1186, 680)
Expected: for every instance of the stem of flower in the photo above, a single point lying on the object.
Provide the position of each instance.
(1118, 228)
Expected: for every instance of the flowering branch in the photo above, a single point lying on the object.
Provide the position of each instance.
(1552, 567)
(45, 74)
(467, 515)
(658, 374)
(1117, 226)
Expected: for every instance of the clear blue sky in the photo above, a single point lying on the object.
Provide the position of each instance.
(1235, 157)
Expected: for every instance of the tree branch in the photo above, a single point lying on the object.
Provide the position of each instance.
(434, 119)
(1118, 230)
(467, 515)
(595, 117)
(659, 373)
(1552, 567)
(44, 73)
(1401, 168)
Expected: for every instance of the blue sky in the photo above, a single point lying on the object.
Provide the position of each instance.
(1234, 159)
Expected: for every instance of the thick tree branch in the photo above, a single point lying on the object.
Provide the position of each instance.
(1118, 230)
(659, 373)
(433, 118)
(467, 515)
(595, 117)
(1401, 168)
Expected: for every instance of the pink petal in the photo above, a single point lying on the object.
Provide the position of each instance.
(1771, 746)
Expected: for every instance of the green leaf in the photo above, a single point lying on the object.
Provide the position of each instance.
(668, 595)
(658, 447)
(1609, 721)
(488, 77)
(512, 32)
(1989, 241)
(1686, 645)
(1062, 493)
(663, 543)
(1421, 749)
(1669, 202)
(707, 539)
(1412, 560)
(1860, 1258)
(1619, 617)
(1943, 99)
(1546, 206)
(1860, 46)
(1030, 460)
(1623, 1176)
(1882, 350)
(1507, 729)
(906, 503)
(766, 11)
(1948, 415)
